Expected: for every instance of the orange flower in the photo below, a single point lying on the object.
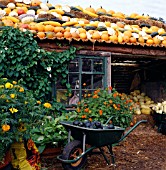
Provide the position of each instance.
(110, 87)
(95, 92)
(105, 103)
(86, 110)
(110, 101)
(118, 105)
(78, 103)
(95, 96)
(78, 110)
(83, 116)
(84, 84)
(89, 94)
(114, 105)
(115, 94)
(5, 128)
(90, 119)
(100, 112)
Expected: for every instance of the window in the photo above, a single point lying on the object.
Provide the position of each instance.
(86, 73)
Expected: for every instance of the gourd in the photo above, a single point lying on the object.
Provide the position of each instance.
(90, 9)
(101, 10)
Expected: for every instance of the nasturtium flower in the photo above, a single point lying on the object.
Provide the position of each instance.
(13, 110)
(12, 96)
(8, 85)
(5, 128)
(47, 105)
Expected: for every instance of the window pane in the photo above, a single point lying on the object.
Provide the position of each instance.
(74, 80)
(98, 65)
(98, 81)
(86, 81)
(86, 65)
(74, 66)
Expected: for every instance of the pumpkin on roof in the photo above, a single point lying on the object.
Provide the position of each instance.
(75, 23)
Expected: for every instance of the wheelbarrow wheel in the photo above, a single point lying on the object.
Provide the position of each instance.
(71, 151)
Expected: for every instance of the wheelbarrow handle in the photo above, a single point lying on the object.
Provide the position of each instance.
(131, 129)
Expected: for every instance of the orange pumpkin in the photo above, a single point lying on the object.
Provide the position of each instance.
(59, 34)
(41, 35)
(96, 35)
(101, 9)
(49, 28)
(35, 2)
(83, 35)
(105, 37)
(90, 9)
(67, 34)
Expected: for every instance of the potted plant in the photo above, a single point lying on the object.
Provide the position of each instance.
(20, 111)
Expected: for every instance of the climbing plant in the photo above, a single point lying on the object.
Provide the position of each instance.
(22, 59)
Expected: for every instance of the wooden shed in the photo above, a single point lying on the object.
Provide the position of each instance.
(127, 52)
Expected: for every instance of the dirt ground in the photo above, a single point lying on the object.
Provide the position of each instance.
(143, 149)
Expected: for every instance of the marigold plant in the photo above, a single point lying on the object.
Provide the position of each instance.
(19, 112)
(106, 104)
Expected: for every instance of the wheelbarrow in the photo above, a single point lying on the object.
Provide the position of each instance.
(74, 155)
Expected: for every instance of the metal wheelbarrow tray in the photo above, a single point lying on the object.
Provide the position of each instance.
(74, 155)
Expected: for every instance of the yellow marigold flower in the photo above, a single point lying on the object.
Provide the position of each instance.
(89, 94)
(25, 102)
(13, 110)
(2, 86)
(5, 128)
(7, 101)
(38, 102)
(90, 111)
(47, 105)
(8, 85)
(12, 96)
(21, 89)
(14, 82)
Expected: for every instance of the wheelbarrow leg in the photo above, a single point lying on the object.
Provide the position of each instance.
(102, 152)
(112, 154)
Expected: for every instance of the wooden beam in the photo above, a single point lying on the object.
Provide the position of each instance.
(99, 48)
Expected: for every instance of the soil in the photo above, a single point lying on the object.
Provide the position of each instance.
(143, 149)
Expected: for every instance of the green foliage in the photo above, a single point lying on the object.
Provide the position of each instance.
(103, 105)
(50, 133)
(22, 59)
(19, 112)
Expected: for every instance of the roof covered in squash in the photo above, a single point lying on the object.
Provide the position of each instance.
(73, 23)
